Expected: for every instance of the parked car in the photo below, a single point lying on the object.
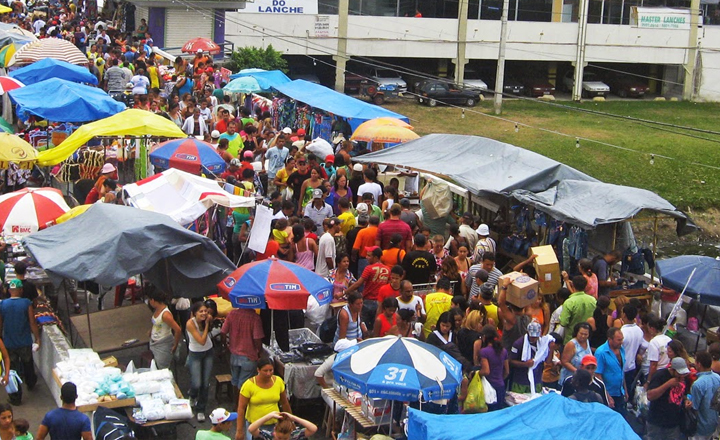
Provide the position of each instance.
(388, 77)
(591, 84)
(538, 86)
(434, 92)
(472, 80)
(511, 86)
(626, 85)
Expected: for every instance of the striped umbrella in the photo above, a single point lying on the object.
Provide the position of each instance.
(398, 369)
(7, 84)
(30, 209)
(189, 154)
(48, 48)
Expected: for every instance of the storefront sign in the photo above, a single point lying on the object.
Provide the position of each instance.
(660, 18)
(322, 26)
(285, 7)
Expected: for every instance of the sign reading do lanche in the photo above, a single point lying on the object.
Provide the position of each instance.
(660, 18)
(285, 7)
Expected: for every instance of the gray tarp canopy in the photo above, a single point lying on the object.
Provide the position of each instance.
(485, 166)
(110, 243)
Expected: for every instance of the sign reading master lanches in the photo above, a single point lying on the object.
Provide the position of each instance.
(286, 7)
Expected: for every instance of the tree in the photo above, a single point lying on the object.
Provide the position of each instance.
(253, 57)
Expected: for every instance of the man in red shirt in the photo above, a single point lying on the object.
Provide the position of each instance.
(233, 170)
(392, 289)
(391, 226)
(244, 331)
(373, 278)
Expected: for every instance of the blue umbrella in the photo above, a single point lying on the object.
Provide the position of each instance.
(190, 155)
(398, 369)
(245, 84)
(51, 68)
(266, 79)
(275, 284)
(705, 284)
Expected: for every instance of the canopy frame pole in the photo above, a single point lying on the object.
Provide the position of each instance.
(87, 313)
(654, 250)
(614, 238)
(702, 319)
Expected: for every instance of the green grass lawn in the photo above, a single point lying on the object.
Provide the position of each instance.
(680, 181)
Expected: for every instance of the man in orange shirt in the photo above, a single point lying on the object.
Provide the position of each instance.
(365, 238)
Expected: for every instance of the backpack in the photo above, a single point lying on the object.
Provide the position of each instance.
(328, 329)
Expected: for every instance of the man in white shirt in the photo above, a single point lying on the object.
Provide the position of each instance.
(632, 342)
(276, 156)
(371, 187)
(467, 231)
(326, 247)
(657, 349)
(140, 83)
(408, 300)
(38, 24)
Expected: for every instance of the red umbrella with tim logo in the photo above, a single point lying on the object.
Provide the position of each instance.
(274, 284)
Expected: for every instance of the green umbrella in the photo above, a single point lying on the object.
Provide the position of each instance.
(6, 126)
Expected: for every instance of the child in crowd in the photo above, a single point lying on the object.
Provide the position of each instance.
(285, 428)
(222, 421)
(22, 428)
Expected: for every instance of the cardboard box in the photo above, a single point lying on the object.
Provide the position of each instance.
(547, 269)
(379, 411)
(354, 398)
(523, 291)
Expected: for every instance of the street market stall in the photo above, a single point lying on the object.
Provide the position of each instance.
(51, 68)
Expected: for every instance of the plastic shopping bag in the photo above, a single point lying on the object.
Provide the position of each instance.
(641, 401)
(14, 381)
(475, 399)
(490, 393)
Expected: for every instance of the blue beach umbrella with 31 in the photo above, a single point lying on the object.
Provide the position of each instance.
(397, 368)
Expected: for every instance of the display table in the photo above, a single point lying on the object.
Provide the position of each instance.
(54, 348)
(129, 413)
(112, 328)
(299, 378)
(354, 412)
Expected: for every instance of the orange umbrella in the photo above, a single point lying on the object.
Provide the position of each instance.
(387, 121)
(386, 134)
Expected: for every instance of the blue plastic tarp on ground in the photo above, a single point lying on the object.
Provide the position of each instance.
(50, 68)
(267, 79)
(64, 101)
(336, 103)
(549, 417)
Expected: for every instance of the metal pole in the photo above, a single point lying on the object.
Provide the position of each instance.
(580, 53)
(500, 74)
(654, 251)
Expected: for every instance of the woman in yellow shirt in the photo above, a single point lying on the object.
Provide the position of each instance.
(282, 175)
(261, 395)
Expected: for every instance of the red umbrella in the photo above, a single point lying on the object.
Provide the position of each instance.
(7, 84)
(25, 211)
(204, 44)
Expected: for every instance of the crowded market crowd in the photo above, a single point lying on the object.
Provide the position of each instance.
(399, 272)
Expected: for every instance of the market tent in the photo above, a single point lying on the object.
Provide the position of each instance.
(336, 103)
(267, 79)
(110, 243)
(550, 417)
(51, 68)
(479, 164)
(568, 201)
(59, 100)
(182, 196)
(131, 122)
(488, 166)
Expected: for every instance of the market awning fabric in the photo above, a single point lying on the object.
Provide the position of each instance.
(486, 166)
(110, 243)
(131, 122)
(336, 103)
(266, 79)
(551, 417)
(48, 48)
(51, 68)
(64, 101)
(182, 196)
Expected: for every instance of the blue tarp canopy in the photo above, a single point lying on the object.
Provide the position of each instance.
(267, 79)
(64, 101)
(549, 417)
(50, 68)
(705, 284)
(336, 103)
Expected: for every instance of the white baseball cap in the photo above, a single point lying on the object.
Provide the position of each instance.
(362, 208)
(344, 343)
(221, 415)
(287, 130)
(357, 167)
(483, 230)
(215, 134)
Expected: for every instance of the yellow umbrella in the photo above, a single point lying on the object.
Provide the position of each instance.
(76, 211)
(7, 52)
(387, 121)
(5, 9)
(15, 149)
(386, 134)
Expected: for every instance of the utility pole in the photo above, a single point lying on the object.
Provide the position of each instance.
(580, 52)
(341, 57)
(462, 42)
(500, 75)
(689, 85)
